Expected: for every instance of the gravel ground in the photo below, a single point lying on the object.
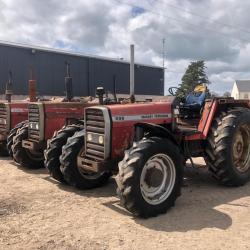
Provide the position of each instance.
(39, 213)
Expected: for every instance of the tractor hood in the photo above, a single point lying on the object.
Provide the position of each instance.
(152, 112)
(114, 125)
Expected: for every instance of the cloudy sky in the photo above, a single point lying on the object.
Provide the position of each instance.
(216, 31)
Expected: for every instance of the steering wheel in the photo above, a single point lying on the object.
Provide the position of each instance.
(173, 90)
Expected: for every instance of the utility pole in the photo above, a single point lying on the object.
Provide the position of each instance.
(163, 53)
(132, 73)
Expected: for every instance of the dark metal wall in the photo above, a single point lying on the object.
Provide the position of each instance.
(87, 73)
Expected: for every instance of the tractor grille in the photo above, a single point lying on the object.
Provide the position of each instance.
(95, 134)
(3, 118)
(34, 122)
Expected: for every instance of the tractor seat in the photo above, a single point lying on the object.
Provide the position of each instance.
(195, 99)
(194, 102)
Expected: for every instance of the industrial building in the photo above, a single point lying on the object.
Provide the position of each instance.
(87, 71)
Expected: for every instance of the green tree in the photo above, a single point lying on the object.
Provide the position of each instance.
(194, 75)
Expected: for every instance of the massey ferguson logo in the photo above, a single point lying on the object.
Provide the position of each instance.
(140, 117)
(19, 110)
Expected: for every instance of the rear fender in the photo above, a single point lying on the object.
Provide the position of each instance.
(153, 130)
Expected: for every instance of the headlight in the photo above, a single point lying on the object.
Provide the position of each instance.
(3, 121)
(34, 125)
(100, 139)
(95, 138)
(89, 137)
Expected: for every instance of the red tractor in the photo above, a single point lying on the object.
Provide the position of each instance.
(152, 141)
(59, 138)
(44, 118)
(13, 115)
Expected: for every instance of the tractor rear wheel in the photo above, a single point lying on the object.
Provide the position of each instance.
(11, 136)
(150, 177)
(25, 157)
(74, 175)
(227, 150)
(54, 150)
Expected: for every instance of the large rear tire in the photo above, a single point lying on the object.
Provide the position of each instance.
(11, 136)
(227, 150)
(150, 177)
(23, 156)
(54, 150)
(72, 174)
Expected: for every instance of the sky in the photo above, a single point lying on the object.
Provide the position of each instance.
(216, 31)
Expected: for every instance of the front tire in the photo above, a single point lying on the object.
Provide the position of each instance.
(150, 177)
(23, 156)
(72, 174)
(11, 136)
(54, 150)
(228, 147)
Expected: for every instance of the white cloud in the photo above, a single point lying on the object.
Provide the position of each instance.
(213, 30)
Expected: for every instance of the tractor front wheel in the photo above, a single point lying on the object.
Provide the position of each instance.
(150, 177)
(11, 136)
(54, 150)
(228, 147)
(25, 157)
(74, 175)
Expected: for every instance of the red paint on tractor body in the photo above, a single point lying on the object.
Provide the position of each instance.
(10, 115)
(124, 117)
(56, 115)
(18, 113)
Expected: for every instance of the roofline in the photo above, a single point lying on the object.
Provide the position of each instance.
(78, 54)
(236, 86)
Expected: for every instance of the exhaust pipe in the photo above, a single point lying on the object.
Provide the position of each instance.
(100, 93)
(32, 86)
(9, 88)
(132, 74)
(68, 84)
(114, 88)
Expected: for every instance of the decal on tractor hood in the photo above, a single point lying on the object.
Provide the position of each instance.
(18, 110)
(121, 118)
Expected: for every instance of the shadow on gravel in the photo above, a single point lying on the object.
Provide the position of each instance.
(197, 208)
(29, 170)
(107, 190)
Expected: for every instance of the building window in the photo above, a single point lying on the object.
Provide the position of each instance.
(245, 96)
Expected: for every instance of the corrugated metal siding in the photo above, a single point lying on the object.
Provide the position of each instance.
(87, 73)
